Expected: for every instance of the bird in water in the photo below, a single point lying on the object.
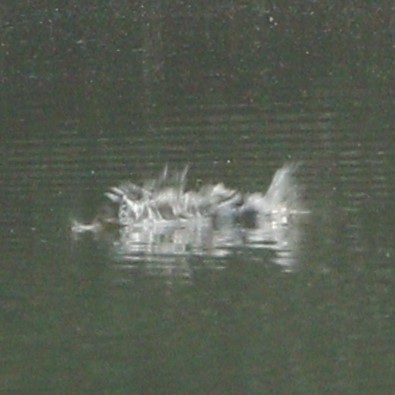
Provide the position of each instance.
(166, 200)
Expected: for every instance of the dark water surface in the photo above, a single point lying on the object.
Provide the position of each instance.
(94, 96)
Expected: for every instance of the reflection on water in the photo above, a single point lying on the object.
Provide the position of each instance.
(203, 300)
(161, 219)
(163, 250)
(99, 93)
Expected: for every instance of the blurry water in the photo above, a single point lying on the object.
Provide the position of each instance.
(307, 309)
(76, 317)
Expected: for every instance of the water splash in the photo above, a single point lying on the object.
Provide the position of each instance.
(162, 217)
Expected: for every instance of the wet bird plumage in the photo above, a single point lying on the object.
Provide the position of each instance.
(166, 199)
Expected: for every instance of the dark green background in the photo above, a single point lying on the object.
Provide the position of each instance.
(95, 92)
